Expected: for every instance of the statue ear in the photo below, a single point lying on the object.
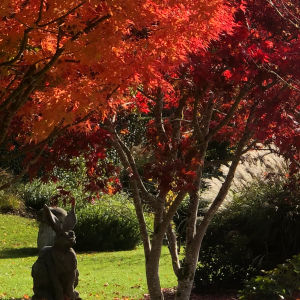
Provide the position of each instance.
(70, 220)
(51, 219)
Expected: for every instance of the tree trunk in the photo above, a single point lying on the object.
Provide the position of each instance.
(187, 271)
(153, 281)
(186, 276)
(152, 272)
(184, 289)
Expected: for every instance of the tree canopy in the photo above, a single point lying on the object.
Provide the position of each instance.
(69, 57)
(188, 74)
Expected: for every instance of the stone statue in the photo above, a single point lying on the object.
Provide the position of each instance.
(46, 234)
(55, 273)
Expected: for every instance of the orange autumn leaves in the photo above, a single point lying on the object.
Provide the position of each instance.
(97, 50)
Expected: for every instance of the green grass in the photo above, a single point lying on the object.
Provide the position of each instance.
(108, 275)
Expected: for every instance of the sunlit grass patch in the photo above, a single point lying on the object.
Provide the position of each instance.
(106, 275)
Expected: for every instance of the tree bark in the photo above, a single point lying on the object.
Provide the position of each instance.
(152, 252)
(185, 286)
(173, 249)
(152, 274)
(187, 271)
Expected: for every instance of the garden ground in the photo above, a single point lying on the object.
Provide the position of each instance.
(108, 275)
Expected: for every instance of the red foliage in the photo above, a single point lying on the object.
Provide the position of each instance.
(249, 76)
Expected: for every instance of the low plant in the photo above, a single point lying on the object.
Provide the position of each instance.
(10, 202)
(66, 184)
(225, 260)
(10, 199)
(36, 193)
(257, 229)
(280, 283)
(109, 224)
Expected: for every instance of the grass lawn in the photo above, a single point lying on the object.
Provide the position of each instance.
(106, 275)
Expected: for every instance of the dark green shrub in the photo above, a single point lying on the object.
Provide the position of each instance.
(225, 260)
(279, 283)
(36, 194)
(181, 217)
(109, 225)
(257, 230)
(270, 217)
(10, 200)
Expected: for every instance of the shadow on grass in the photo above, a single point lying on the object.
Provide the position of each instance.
(18, 253)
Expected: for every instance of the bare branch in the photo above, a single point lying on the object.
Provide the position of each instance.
(112, 92)
(90, 27)
(173, 248)
(279, 77)
(228, 180)
(296, 25)
(201, 229)
(158, 116)
(197, 128)
(172, 210)
(160, 209)
(140, 215)
(50, 64)
(146, 95)
(60, 18)
(40, 12)
(128, 162)
(231, 111)
(177, 119)
(208, 115)
(195, 197)
(4, 104)
(134, 187)
(22, 48)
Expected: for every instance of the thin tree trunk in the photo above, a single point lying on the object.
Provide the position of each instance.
(152, 272)
(152, 252)
(152, 265)
(187, 271)
(185, 283)
(173, 249)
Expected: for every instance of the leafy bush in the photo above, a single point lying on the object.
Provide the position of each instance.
(225, 260)
(10, 201)
(68, 184)
(257, 230)
(181, 217)
(108, 225)
(36, 194)
(279, 283)
(9, 198)
(270, 216)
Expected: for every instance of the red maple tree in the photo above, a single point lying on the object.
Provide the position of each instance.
(61, 61)
(245, 90)
(242, 88)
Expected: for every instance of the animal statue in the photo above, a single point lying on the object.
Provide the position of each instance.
(55, 273)
(46, 234)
